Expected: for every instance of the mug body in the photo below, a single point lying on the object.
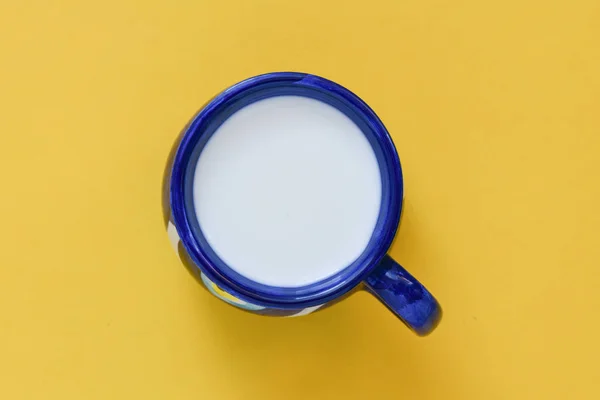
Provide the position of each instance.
(189, 240)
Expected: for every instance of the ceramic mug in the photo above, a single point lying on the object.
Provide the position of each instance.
(373, 271)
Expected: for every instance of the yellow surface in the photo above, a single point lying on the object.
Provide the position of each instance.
(495, 110)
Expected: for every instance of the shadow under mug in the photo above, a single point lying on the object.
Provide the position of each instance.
(373, 271)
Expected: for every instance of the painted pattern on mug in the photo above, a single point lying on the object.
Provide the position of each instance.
(228, 298)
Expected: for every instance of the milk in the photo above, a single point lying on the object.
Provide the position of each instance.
(287, 191)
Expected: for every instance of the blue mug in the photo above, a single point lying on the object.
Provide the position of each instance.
(373, 271)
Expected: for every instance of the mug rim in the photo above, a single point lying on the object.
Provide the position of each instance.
(205, 123)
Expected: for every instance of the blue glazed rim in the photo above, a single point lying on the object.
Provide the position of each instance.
(199, 131)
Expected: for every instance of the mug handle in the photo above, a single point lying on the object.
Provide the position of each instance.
(404, 296)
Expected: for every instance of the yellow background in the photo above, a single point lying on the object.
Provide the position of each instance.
(494, 108)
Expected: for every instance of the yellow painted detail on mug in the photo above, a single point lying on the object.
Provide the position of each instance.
(225, 295)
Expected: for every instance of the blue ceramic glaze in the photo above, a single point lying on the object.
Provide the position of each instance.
(418, 312)
(404, 295)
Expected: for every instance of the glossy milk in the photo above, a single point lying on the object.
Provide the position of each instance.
(287, 191)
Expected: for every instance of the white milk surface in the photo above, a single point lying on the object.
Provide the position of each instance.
(287, 191)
